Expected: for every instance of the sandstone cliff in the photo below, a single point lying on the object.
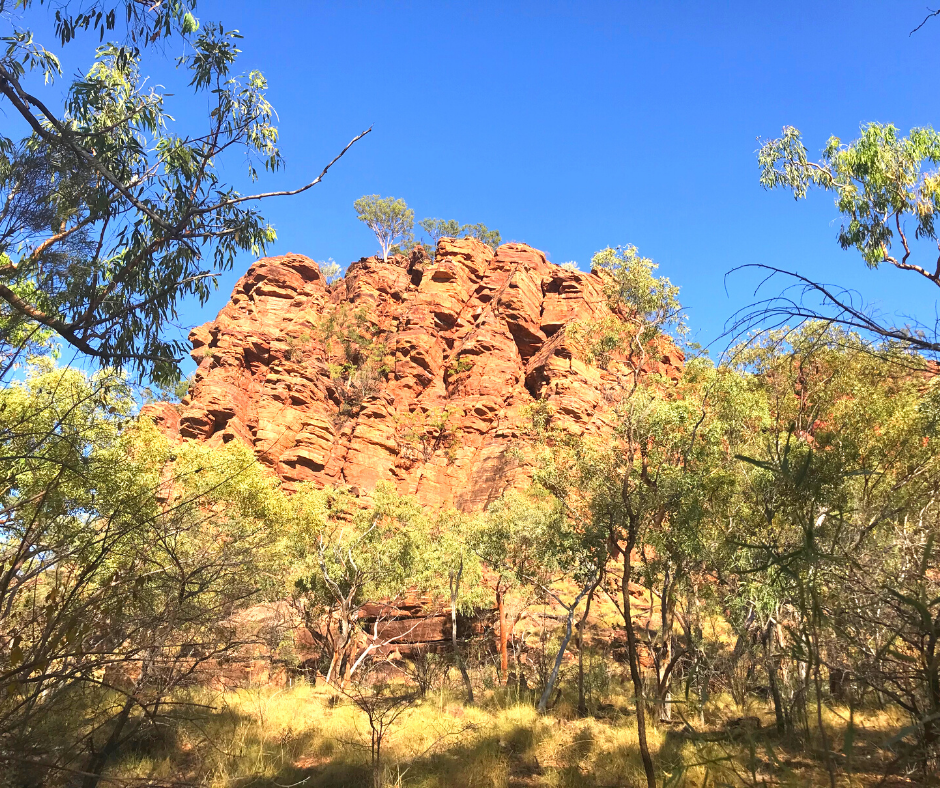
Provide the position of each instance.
(412, 370)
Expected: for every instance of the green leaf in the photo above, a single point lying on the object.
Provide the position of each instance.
(758, 463)
(190, 23)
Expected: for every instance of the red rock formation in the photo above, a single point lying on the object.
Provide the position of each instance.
(414, 371)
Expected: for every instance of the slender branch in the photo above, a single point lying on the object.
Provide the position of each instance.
(785, 307)
(288, 193)
(56, 324)
(926, 19)
(58, 237)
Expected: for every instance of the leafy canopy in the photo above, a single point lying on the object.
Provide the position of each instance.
(111, 213)
(879, 180)
(631, 284)
(389, 218)
(887, 189)
(450, 228)
(440, 228)
(136, 549)
(644, 308)
(330, 270)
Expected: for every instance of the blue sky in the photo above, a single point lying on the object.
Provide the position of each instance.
(573, 126)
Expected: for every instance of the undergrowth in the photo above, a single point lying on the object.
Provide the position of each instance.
(317, 738)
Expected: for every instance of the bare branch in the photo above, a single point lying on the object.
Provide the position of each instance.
(926, 19)
(776, 311)
(288, 193)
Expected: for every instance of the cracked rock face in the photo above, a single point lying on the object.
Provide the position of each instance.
(415, 371)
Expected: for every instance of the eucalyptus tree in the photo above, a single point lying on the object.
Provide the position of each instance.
(690, 433)
(452, 556)
(645, 317)
(646, 320)
(887, 193)
(112, 211)
(330, 270)
(389, 218)
(579, 474)
(122, 560)
(482, 233)
(532, 537)
(344, 557)
(440, 228)
(490, 540)
(661, 484)
(838, 518)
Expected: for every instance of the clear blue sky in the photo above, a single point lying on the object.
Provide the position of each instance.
(576, 125)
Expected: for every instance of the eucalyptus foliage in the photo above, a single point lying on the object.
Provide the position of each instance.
(440, 228)
(835, 531)
(880, 181)
(122, 561)
(389, 218)
(110, 211)
(887, 191)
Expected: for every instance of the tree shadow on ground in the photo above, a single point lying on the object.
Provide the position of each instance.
(746, 755)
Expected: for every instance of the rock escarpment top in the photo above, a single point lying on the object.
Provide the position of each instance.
(414, 370)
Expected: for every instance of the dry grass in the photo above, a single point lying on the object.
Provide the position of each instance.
(309, 736)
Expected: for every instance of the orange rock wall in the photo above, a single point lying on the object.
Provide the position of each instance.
(456, 349)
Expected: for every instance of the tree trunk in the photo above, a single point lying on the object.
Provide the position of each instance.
(378, 773)
(781, 713)
(569, 625)
(665, 683)
(503, 635)
(665, 667)
(342, 653)
(345, 666)
(582, 701)
(461, 666)
(635, 665)
(786, 683)
(817, 680)
(931, 672)
(838, 684)
(99, 760)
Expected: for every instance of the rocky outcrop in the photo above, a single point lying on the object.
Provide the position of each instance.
(416, 371)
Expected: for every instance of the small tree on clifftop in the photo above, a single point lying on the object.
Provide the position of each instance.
(441, 228)
(390, 219)
(330, 270)
(482, 233)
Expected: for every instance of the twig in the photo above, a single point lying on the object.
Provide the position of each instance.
(926, 18)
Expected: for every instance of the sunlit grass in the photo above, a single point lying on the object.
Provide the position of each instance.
(315, 737)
